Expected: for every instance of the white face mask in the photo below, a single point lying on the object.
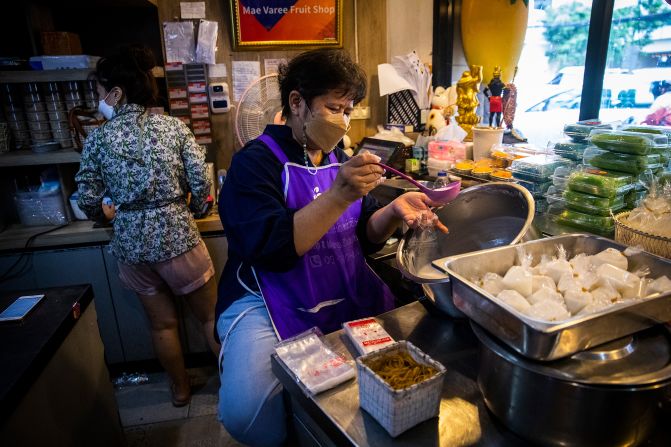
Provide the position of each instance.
(106, 109)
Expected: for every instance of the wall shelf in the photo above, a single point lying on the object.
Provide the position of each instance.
(80, 74)
(26, 157)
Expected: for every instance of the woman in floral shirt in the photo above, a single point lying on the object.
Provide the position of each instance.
(147, 164)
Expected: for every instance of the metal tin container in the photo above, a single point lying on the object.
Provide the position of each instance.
(482, 216)
(546, 340)
(610, 395)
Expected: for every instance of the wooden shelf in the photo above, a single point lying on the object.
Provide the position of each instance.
(44, 75)
(80, 74)
(27, 157)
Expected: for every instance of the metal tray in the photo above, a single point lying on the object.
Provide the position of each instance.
(545, 340)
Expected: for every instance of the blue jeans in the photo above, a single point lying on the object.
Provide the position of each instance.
(250, 397)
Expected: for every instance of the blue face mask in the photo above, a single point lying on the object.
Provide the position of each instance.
(107, 110)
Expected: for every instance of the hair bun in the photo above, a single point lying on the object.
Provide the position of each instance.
(142, 57)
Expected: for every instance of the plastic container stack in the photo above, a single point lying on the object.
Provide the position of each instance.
(534, 173)
(574, 146)
(586, 198)
(663, 152)
(12, 102)
(58, 116)
(36, 112)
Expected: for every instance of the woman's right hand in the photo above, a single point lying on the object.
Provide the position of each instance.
(357, 177)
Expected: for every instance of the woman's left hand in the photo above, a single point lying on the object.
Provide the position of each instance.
(410, 206)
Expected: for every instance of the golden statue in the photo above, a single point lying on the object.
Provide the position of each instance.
(468, 87)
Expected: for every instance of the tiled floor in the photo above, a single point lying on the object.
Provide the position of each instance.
(149, 419)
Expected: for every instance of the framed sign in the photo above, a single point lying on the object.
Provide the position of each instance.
(286, 23)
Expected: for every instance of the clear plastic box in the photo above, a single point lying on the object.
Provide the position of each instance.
(538, 168)
(570, 150)
(616, 161)
(601, 225)
(579, 131)
(587, 203)
(536, 189)
(600, 183)
(40, 208)
(659, 130)
(627, 142)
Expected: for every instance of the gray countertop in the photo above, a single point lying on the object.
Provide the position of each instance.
(79, 232)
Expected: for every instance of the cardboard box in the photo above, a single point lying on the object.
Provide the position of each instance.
(60, 43)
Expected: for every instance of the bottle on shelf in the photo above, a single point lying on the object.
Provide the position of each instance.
(442, 180)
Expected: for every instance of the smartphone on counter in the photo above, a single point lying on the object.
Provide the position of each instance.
(21, 307)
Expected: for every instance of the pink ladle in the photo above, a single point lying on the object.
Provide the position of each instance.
(440, 195)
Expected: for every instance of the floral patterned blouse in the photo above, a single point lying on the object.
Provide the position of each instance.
(146, 164)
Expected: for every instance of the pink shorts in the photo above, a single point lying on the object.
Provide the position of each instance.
(182, 274)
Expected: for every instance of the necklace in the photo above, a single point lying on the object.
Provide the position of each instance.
(305, 158)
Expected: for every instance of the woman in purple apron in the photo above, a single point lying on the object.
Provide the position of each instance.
(299, 221)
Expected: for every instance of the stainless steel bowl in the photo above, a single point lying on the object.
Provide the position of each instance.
(483, 216)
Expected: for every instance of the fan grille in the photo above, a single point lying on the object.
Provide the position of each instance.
(258, 106)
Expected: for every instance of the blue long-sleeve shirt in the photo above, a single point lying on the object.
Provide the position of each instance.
(258, 224)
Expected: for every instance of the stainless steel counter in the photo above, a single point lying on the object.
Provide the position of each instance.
(334, 417)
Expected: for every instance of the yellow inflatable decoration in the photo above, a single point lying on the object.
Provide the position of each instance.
(493, 32)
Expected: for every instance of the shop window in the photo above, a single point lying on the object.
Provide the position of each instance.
(551, 68)
(638, 74)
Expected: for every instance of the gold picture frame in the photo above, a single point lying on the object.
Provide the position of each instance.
(268, 24)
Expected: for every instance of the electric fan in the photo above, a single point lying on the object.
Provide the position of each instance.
(259, 105)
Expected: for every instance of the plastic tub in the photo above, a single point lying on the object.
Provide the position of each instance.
(40, 126)
(50, 87)
(17, 125)
(35, 106)
(40, 137)
(59, 125)
(579, 131)
(536, 189)
(37, 116)
(627, 142)
(55, 106)
(616, 161)
(538, 168)
(570, 150)
(58, 115)
(54, 96)
(600, 183)
(64, 142)
(61, 134)
(40, 208)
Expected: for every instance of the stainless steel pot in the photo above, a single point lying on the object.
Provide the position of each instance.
(609, 395)
(483, 216)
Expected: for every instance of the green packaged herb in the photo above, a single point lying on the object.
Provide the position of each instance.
(616, 161)
(571, 150)
(587, 203)
(600, 183)
(601, 225)
(578, 132)
(627, 142)
(633, 198)
(659, 130)
(537, 168)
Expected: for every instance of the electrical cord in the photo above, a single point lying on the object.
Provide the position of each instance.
(6, 275)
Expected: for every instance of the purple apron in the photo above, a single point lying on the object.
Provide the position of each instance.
(331, 283)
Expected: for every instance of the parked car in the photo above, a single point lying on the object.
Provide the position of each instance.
(544, 121)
